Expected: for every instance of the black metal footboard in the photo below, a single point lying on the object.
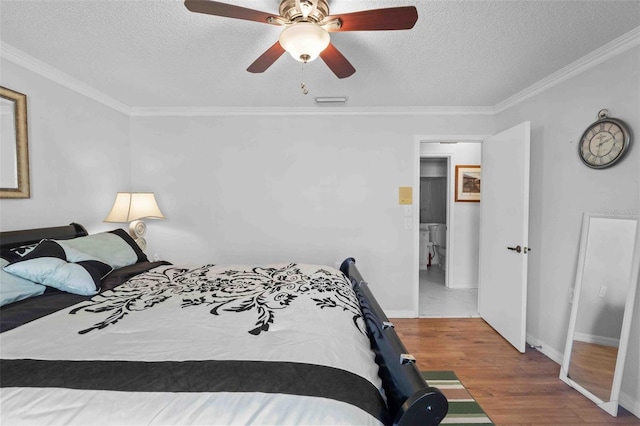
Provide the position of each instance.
(410, 400)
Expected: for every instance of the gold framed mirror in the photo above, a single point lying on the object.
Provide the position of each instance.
(14, 149)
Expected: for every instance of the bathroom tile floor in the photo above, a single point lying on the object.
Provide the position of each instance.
(438, 301)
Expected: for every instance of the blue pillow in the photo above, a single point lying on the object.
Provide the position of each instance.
(54, 264)
(14, 288)
(115, 248)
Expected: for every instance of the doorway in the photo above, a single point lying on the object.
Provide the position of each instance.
(493, 263)
(448, 233)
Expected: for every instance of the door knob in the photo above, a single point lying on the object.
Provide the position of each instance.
(517, 249)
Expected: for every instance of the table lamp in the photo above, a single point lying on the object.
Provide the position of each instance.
(132, 207)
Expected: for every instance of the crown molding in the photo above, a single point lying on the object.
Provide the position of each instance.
(598, 56)
(24, 60)
(318, 110)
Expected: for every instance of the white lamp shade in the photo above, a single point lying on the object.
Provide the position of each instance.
(133, 206)
(304, 40)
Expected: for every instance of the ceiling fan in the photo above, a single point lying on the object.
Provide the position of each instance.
(307, 25)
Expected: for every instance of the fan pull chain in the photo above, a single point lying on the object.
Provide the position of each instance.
(303, 86)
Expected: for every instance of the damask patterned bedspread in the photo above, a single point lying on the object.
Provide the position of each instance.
(273, 344)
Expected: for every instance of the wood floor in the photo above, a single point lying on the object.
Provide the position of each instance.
(512, 388)
(593, 366)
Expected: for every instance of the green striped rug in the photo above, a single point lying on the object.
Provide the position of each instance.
(463, 409)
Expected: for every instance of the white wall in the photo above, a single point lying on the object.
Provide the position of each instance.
(562, 188)
(464, 218)
(78, 155)
(280, 188)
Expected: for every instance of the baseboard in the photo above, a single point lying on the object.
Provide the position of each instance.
(400, 314)
(625, 400)
(628, 403)
(547, 350)
(598, 340)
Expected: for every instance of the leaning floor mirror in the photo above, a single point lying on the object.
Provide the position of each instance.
(604, 294)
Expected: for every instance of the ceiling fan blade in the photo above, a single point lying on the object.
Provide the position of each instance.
(217, 8)
(393, 18)
(336, 61)
(267, 58)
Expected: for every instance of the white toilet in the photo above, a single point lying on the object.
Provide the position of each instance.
(438, 234)
(426, 246)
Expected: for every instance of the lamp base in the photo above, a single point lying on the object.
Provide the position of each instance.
(137, 229)
(142, 243)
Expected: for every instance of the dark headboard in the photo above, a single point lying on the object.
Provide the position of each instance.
(11, 239)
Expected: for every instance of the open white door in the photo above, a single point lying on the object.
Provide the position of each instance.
(504, 231)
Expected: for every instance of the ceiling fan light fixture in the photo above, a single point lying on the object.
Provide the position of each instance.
(304, 40)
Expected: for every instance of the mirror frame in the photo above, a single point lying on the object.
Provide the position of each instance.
(22, 147)
(610, 406)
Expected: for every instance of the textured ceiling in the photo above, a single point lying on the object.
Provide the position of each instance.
(155, 53)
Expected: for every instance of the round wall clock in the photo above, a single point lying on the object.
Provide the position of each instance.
(604, 142)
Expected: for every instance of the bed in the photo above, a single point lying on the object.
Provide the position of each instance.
(115, 339)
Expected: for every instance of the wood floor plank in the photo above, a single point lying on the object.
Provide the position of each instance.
(514, 389)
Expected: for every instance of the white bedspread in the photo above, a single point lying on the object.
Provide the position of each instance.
(298, 313)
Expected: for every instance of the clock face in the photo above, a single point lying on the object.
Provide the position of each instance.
(603, 143)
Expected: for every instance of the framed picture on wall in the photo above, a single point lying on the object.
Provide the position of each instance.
(468, 183)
